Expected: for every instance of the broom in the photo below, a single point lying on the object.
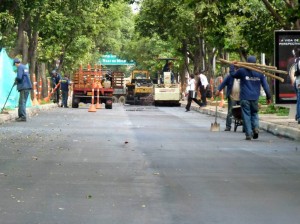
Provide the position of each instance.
(6, 101)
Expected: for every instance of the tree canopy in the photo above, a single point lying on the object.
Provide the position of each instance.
(197, 31)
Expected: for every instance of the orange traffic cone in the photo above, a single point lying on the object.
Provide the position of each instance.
(92, 106)
(98, 105)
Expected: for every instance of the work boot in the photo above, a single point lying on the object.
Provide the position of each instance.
(21, 119)
(227, 129)
(248, 137)
(255, 133)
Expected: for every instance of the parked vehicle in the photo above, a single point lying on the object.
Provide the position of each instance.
(140, 89)
(167, 91)
(89, 84)
(119, 86)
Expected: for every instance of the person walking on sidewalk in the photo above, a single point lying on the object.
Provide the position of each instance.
(297, 84)
(250, 83)
(64, 87)
(231, 100)
(191, 89)
(203, 83)
(24, 87)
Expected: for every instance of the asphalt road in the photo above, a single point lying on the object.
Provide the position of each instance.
(143, 165)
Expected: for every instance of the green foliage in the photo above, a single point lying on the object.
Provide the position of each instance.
(7, 34)
(81, 31)
(273, 109)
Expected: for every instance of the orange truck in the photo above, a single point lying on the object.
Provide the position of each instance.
(90, 84)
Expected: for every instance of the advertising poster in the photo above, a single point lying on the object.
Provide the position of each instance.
(286, 44)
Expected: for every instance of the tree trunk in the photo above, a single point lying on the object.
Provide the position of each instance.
(41, 70)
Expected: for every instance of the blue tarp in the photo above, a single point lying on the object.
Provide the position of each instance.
(7, 79)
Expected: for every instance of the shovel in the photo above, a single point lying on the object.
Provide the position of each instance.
(6, 101)
(215, 126)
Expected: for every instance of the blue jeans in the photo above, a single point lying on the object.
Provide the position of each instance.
(65, 95)
(22, 102)
(250, 116)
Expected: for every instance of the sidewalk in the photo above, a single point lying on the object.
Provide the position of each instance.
(277, 125)
(11, 115)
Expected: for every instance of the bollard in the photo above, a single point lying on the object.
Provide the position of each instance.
(34, 101)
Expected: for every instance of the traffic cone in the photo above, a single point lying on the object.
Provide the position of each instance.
(92, 106)
(98, 105)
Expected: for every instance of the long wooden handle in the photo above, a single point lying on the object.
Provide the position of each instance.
(265, 67)
(261, 71)
(252, 68)
(257, 65)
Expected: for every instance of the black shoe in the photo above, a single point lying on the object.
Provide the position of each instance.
(255, 133)
(21, 119)
(298, 121)
(227, 129)
(187, 110)
(248, 137)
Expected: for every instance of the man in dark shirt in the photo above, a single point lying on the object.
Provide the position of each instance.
(64, 87)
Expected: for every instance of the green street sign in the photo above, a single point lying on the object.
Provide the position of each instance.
(109, 59)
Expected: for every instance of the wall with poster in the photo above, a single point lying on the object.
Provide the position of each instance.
(286, 43)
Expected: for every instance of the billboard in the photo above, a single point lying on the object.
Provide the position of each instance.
(286, 43)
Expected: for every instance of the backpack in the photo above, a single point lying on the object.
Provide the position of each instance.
(235, 92)
(297, 67)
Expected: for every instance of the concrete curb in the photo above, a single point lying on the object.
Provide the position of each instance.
(280, 130)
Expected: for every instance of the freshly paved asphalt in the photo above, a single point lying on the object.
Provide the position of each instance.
(136, 165)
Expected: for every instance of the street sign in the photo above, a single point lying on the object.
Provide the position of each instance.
(110, 59)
